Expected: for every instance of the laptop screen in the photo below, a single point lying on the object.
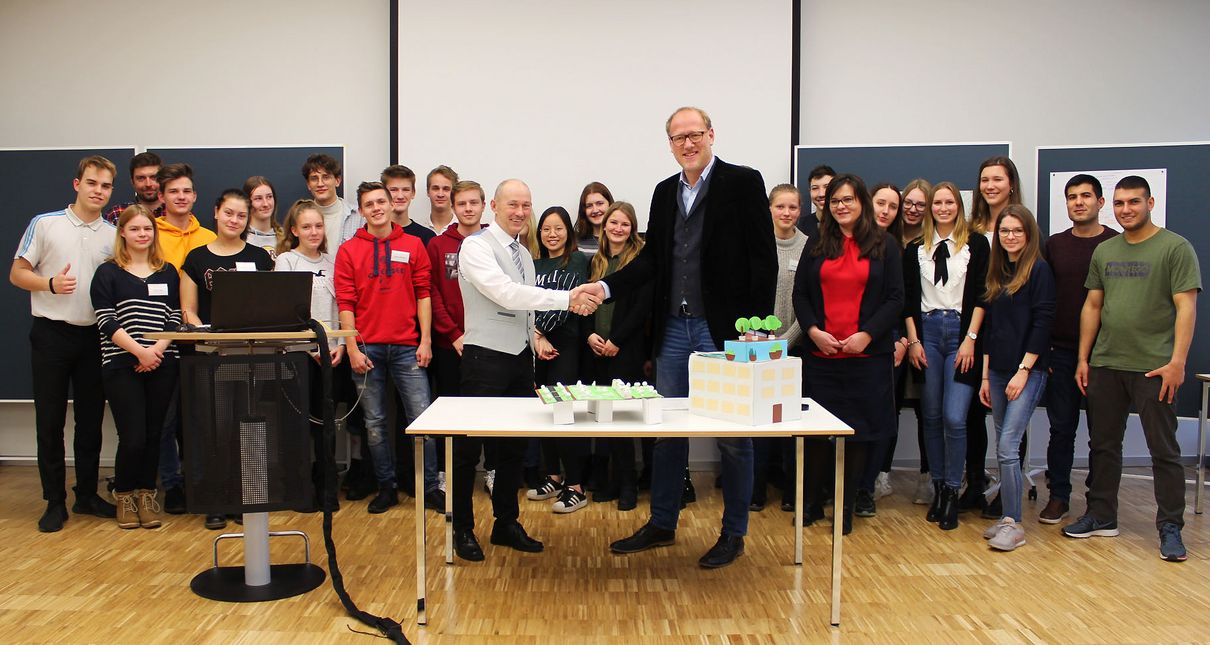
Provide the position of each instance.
(261, 301)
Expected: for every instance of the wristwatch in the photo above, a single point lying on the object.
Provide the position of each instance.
(1023, 366)
(972, 335)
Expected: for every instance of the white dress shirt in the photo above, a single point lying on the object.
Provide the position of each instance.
(477, 263)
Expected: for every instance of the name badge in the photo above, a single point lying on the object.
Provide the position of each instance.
(401, 256)
(157, 290)
(793, 265)
(245, 266)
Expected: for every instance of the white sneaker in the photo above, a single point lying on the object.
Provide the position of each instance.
(1010, 536)
(441, 480)
(882, 485)
(489, 481)
(991, 531)
(924, 490)
(570, 500)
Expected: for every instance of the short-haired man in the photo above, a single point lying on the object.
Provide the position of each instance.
(179, 233)
(55, 261)
(382, 291)
(324, 175)
(711, 255)
(143, 169)
(817, 186)
(401, 184)
(448, 312)
(1135, 331)
(496, 275)
(1069, 254)
(439, 185)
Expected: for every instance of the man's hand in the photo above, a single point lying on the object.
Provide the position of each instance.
(424, 353)
(585, 298)
(1171, 376)
(359, 361)
(458, 344)
(1082, 376)
(64, 284)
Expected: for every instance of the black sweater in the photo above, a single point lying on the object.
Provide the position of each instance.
(881, 302)
(1020, 323)
(972, 296)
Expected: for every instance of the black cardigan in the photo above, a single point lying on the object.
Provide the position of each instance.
(1020, 323)
(972, 296)
(881, 302)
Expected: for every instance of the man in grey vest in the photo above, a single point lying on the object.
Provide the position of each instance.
(496, 276)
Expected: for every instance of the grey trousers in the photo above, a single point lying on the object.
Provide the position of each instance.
(1111, 394)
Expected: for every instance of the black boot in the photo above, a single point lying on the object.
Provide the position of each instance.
(934, 514)
(994, 509)
(949, 509)
(973, 499)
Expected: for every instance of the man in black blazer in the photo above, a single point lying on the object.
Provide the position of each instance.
(711, 256)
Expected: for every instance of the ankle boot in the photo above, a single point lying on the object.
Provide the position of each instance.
(128, 512)
(949, 509)
(934, 514)
(973, 498)
(148, 508)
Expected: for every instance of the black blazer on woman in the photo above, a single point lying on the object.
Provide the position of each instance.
(972, 296)
(881, 303)
(628, 330)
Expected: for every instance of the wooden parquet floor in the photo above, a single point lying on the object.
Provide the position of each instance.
(905, 580)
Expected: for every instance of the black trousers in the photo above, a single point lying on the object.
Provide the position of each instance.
(139, 403)
(487, 372)
(64, 355)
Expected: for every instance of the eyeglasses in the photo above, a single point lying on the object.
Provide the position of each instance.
(848, 201)
(695, 137)
(1012, 232)
(909, 205)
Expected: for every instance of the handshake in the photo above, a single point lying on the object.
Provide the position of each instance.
(585, 298)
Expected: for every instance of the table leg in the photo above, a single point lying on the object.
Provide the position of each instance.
(798, 502)
(1201, 450)
(421, 612)
(449, 499)
(837, 529)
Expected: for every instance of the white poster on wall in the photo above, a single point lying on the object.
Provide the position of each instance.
(1156, 177)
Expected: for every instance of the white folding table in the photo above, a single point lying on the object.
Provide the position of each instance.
(528, 417)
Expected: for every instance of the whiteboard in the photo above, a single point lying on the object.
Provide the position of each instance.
(1156, 177)
(561, 93)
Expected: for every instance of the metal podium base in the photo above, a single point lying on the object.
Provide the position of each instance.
(226, 584)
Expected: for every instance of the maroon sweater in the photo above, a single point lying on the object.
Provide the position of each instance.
(448, 312)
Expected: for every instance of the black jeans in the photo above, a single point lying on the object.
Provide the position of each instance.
(139, 403)
(1111, 394)
(61, 355)
(1063, 399)
(487, 372)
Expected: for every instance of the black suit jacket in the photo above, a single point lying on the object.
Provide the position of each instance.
(738, 255)
(881, 302)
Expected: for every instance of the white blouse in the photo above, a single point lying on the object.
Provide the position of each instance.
(948, 296)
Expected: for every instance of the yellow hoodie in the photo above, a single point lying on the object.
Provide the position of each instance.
(175, 244)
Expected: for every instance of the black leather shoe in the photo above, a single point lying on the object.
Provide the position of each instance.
(435, 499)
(645, 538)
(467, 547)
(216, 522)
(54, 517)
(387, 497)
(628, 499)
(723, 553)
(514, 536)
(811, 514)
(605, 494)
(93, 505)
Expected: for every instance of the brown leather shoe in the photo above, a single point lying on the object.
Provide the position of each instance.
(1056, 509)
(127, 511)
(148, 508)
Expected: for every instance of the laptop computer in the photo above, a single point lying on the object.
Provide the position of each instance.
(260, 301)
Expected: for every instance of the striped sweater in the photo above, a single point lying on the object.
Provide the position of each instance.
(136, 305)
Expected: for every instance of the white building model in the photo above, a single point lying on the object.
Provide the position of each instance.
(749, 393)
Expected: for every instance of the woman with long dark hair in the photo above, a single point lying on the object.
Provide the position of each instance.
(848, 298)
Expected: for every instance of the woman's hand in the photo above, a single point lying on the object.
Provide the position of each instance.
(900, 351)
(337, 354)
(856, 343)
(966, 355)
(917, 356)
(1016, 384)
(149, 358)
(985, 393)
(544, 350)
(610, 349)
(826, 342)
(596, 344)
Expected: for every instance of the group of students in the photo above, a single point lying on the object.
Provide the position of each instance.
(887, 292)
(980, 313)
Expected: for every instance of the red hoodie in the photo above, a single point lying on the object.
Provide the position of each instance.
(381, 281)
(448, 313)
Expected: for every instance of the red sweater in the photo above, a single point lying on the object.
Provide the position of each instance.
(448, 313)
(381, 281)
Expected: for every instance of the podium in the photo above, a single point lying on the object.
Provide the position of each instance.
(245, 416)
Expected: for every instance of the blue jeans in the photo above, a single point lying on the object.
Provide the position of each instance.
(670, 457)
(413, 386)
(1011, 419)
(1063, 399)
(170, 459)
(944, 401)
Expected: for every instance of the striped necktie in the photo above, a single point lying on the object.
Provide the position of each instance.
(515, 248)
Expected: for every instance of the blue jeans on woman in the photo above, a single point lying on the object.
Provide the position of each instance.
(944, 401)
(1012, 420)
